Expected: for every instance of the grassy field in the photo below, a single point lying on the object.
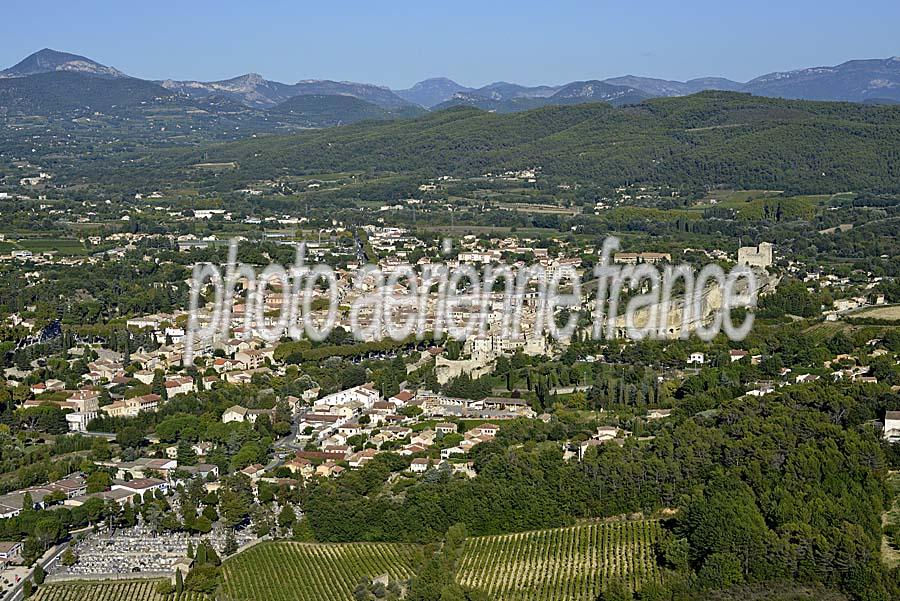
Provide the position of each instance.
(108, 590)
(286, 571)
(536, 208)
(758, 204)
(563, 564)
(891, 313)
(65, 246)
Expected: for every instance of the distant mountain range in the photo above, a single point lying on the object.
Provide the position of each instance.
(873, 80)
(663, 87)
(49, 81)
(253, 90)
(856, 81)
(511, 98)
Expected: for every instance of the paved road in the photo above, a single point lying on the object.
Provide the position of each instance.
(287, 444)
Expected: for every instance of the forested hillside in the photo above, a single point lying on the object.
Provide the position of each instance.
(712, 138)
(60, 90)
(326, 110)
(785, 488)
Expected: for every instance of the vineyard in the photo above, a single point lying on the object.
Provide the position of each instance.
(563, 564)
(308, 572)
(108, 590)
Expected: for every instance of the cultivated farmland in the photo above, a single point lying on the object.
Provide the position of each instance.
(309, 572)
(108, 590)
(563, 564)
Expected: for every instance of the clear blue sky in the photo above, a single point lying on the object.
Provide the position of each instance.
(398, 43)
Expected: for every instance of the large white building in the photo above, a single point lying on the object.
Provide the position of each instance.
(363, 396)
(78, 420)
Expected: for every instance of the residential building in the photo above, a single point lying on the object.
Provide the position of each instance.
(133, 406)
(10, 552)
(235, 413)
(418, 466)
(892, 426)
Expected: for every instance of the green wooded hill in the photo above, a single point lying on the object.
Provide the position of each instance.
(46, 93)
(326, 110)
(711, 138)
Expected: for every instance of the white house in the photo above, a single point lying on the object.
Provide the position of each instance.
(697, 358)
(737, 355)
(364, 395)
(605, 433)
(235, 413)
(658, 413)
(144, 376)
(447, 453)
(485, 430)
(445, 428)
(141, 485)
(349, 428)
(418, 466)
(50, 385)
(176, 386)
(78, 420)
(10, 552)
(892, 426)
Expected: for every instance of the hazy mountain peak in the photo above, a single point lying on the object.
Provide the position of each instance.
(436, 80)
(48, 60)
(651, 85)
(341, 82)
(599, 90)
(250, 89)
(431, 92)
(502, 90)
(715, 83)
(254, 78)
